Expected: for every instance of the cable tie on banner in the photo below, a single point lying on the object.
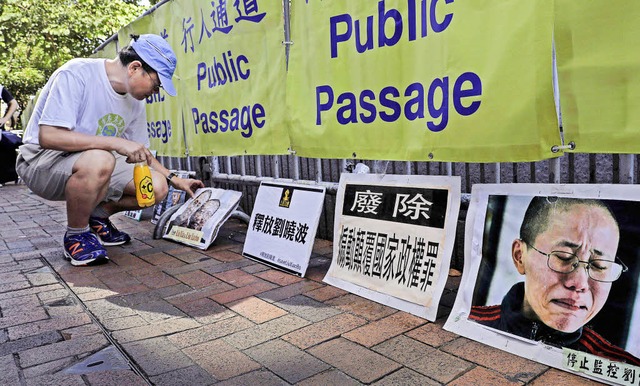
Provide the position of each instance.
(291, 151)
(290, 42)
(557, 148)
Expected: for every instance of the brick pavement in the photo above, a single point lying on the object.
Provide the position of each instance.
(185, 316)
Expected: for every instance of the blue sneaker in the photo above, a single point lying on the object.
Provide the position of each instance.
(107, 233)
(84, 249)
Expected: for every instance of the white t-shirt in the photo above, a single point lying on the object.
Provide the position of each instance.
(79, 97)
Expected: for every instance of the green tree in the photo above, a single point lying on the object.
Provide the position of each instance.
(38, 36)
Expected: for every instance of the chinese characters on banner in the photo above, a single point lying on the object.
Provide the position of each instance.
(551, 274)
(283, 226)
(394, 237)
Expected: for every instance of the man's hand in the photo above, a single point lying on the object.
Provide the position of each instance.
(189, 185)
(134, 151)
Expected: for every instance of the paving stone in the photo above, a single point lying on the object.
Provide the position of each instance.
(220, 359)
(255, 268)
(325, 293)
(243, 292)
(63, 311)
(157, 356)
(110, 308)
(157, 279)
(167, 326)
(84, 330)
(160, 259)
(258, 377)
(206, 311)
(19, 304)
(289, 291)
(511, 365)
(23, 317)
(9, 371)
(188, 376)
(12, 277)
(278, 277)
(115, 377)
(53, 295)
(323, 331)
(48, 368)
(41, 326)
(256, 310)
(58, 379)
(227, 255)
(405, 377)
(330, 377)
(432, 334)
(197, 279)
(79, 278)
(307, 308)
(124, 323)
(156, 311)
(67, 348)
(383, 329)
(266, 331)
(88, 294)
(13, 286)
(482, 376)
(354, 360)
(237, 278)
(210, 332)
(286, 360)
(185, 268)
(365, 308)
(37, 279)
(424, 359)
(201, 293)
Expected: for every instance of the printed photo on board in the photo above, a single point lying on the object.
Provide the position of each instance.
(566, 256)
(551, 274)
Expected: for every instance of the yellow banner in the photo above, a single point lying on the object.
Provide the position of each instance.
(597, 49)
(422, 80)
(232, 66)
(164, 112)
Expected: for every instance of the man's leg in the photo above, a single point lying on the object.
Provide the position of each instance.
(87, 186)
(84, 189)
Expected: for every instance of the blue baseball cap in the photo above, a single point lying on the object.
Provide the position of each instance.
(157, 53)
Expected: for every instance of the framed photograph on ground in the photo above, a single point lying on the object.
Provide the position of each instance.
(551, 274)
(197, 221)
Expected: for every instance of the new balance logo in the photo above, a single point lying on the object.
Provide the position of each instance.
(75, 248)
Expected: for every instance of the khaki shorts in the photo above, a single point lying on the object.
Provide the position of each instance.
(46, 172)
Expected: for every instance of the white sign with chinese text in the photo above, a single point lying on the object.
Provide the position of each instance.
(393, 238)
(283, 225)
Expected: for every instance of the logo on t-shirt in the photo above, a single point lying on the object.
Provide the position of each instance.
(111, 125)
